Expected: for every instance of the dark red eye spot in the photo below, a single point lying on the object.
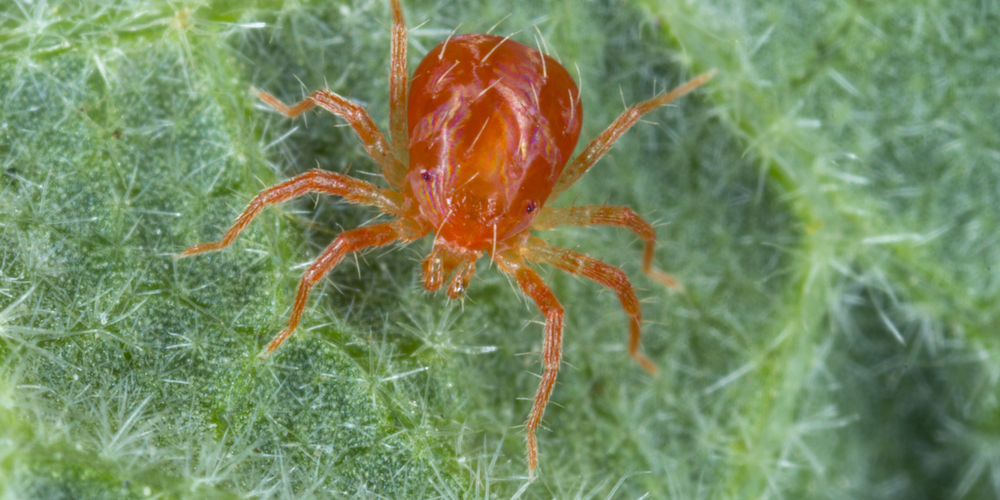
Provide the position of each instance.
(426, 176)
(531, 207)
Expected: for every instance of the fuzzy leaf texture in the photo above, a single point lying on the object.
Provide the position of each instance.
(829, 201)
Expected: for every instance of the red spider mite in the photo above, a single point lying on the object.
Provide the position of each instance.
(478, 148)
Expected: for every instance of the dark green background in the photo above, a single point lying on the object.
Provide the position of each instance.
(829, 201)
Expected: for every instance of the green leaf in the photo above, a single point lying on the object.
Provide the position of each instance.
(828, 201)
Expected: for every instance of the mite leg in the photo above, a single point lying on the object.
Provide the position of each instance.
(360, 121)
(351, 189)
(610, 276)
(602, 143)
(350, 241)
(534, 287)
(397, 86)
(609, 216)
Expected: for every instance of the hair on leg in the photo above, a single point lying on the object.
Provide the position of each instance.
(351, 189)
(535, 288)
(601, 215)
(607, 275)
(358, 118)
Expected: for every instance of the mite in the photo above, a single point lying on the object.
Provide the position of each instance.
(479, 146)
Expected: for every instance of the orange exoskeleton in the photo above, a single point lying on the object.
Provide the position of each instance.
(480, 145)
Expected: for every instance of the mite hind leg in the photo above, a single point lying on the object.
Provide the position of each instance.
(358, 118)
(607, 275)
(397, 86)
(602, 143)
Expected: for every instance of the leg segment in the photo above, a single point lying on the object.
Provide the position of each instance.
(604, 274)
(360, 121)
(353, 190)
(534, 287)
(397, 86)
(600, 145)
(609, 216)
(350, 241)
(444, 261)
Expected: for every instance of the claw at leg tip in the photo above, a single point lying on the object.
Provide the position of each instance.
(646, 364)
(267, 351)
(186, 253)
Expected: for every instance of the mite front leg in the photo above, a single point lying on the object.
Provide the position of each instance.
(534, 287)
(350, 241)
(356, 116)
(351, 189)
(609, 276)
(609, 216)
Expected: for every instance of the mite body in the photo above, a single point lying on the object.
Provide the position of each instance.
(482, 142)
(492, 124)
